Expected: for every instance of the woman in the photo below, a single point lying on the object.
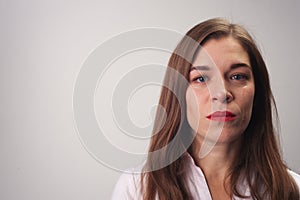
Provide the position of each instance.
(217, 140)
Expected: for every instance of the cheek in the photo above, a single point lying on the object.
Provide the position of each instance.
(246, 99)
(192, 108)
(193, 111)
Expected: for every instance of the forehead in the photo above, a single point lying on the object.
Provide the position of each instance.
(221, 52)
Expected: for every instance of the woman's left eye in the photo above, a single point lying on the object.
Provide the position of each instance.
(239, 77)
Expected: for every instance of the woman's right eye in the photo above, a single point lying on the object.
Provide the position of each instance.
(201, 79)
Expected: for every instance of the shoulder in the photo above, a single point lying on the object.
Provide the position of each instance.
(296, 177)
(128, 186)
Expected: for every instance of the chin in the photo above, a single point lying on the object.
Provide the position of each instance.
(224, 137)
(229, 138)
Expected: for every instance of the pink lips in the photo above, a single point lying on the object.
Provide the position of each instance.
(221, 116)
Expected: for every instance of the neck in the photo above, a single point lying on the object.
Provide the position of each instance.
(216, 159)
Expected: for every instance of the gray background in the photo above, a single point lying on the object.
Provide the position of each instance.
(43, 46)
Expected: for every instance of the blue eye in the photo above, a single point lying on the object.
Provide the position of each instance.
(201, 79)
(239, 77)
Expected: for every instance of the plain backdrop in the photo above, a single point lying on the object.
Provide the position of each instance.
(43, 45)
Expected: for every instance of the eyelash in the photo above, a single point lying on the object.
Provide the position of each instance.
(241, 77)
(236, 77)
(203, 79)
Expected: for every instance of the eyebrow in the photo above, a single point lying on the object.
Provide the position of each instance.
(207, 68)
(237, 65)
(203, 68)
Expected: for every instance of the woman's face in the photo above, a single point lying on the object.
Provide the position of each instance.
(220, 94)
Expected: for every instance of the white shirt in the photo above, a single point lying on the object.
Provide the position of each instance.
(128, 185)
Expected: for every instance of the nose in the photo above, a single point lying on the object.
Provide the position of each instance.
(221, 94)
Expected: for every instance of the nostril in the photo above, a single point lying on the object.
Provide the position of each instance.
(228, 97)
(223, 96)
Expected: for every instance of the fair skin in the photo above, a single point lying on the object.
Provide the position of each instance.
(219, 107)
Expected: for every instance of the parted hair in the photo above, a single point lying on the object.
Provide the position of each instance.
(259, 162)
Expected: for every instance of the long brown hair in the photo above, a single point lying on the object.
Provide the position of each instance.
(259, 161)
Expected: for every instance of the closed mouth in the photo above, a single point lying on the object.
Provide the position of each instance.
(221, 116)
